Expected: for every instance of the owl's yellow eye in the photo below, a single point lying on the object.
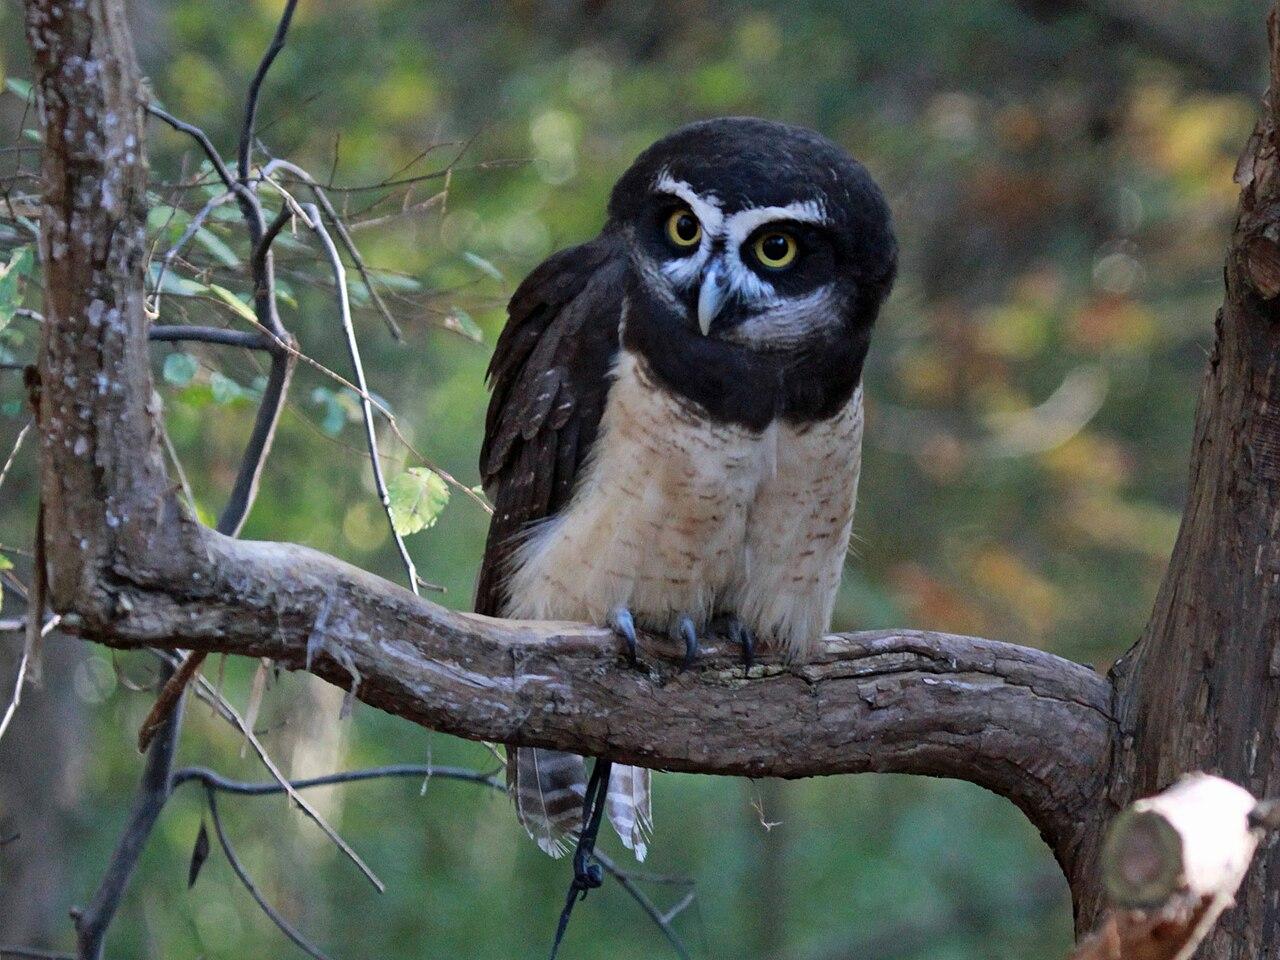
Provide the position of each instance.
(683, 229)
(775, 250)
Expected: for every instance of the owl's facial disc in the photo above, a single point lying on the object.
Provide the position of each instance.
(762, 276)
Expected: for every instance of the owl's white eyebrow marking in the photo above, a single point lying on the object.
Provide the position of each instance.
(705, 207)
(742, 224)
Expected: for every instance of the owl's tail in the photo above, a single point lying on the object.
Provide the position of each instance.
(550, 786)
(630, 807)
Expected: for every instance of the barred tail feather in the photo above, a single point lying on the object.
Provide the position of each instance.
(630, 809)
(549, 788)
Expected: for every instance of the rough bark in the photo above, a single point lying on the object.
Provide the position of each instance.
(1201, 689)
(1026, 724)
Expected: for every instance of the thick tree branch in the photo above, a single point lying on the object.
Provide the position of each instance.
(1023, 723)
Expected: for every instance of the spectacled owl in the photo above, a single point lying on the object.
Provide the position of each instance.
(674, 434)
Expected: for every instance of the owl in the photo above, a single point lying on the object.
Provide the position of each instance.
(673, 440)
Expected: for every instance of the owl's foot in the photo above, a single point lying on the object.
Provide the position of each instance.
(741, 635)
(621, 622)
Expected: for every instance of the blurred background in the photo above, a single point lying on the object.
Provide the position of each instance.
(1061, 174)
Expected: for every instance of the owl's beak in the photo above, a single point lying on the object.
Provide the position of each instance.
(711, 295)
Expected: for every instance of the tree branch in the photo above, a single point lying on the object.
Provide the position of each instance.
(1026, 724)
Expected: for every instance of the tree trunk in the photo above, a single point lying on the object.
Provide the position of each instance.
(1201, 690)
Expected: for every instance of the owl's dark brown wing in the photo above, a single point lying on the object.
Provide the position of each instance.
(550, 377)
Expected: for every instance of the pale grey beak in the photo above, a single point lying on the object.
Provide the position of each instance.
(711, 295)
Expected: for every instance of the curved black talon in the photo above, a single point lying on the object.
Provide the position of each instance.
(686, 631)
(624, 625)
(745, 638)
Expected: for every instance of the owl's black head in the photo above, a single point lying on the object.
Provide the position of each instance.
(757, 234)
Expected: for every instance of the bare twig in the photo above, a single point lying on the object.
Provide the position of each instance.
(16, 701)
(13, 454)
(215, 335)
(246, 730)
(214, 781)
(660, 919)
(388, 416)
(176, 461)
(256, 451)
(366, 408)
(33, 953)
(409, 771)
(171, 254)
(206, 145)
(285, 927)
(167, 700)
(92, 922)
(343, 235)
(245, 153)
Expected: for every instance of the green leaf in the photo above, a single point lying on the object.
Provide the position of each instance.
(19, 88)
(29, 133)
(417, 497)
(396, 281)
(163, 215)
(225, 390)
(459, 321)
(180, 369)
(234, 302)
(217, 248)
(481, 264)
(5, 564)
(175, 285)
(335, 417)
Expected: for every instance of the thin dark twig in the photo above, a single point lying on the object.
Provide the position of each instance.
(366, 408)
(286, 928)
(175, 333)
(344, 236)
(255, 89)
(663, 921)
(206, 145)
(211, 780)
(263, 285)
(33, 953)
(171, 254)
(273, 230)
(92, 922)
(410, 771)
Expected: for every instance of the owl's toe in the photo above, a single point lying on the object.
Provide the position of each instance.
(624, 625)
(742, 635)
(685, 630)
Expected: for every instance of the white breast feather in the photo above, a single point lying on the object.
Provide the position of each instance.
(677, 515)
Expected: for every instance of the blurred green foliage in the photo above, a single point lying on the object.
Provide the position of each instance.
(1061, 176)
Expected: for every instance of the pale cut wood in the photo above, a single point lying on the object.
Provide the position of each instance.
(1171, 864)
